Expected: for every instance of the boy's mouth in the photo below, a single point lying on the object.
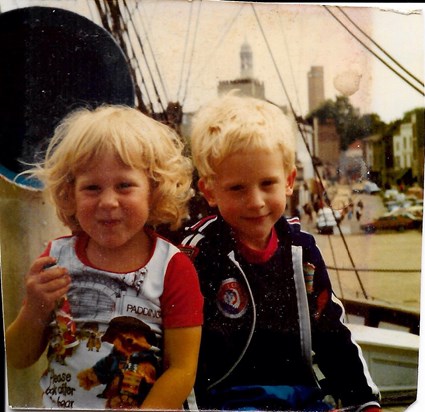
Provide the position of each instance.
(256, 218)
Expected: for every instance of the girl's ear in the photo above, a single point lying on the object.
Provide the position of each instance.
(68, 200)
(207, 192)
(290, 181)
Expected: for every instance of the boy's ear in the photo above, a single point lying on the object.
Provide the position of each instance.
(290, 181)
(207, 192)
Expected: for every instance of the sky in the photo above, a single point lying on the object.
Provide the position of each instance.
(196, 44)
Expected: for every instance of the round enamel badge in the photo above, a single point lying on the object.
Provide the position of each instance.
(232, 299)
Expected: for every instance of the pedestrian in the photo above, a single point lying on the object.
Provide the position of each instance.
(272, 326)
(400, 185)
(308, 210)
(297, 212)
(350, 208)
(359, 210)
(118, 308)
(318, 204)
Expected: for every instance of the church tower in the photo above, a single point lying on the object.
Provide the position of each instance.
(246, 83)
(247, 69)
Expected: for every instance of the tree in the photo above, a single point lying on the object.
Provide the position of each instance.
(349, 124)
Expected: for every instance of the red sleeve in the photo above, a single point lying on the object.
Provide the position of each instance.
(182, 301)
(46, 251)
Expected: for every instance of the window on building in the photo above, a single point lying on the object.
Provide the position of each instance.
(397, 162)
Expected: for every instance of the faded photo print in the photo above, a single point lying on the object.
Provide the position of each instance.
(307, 255)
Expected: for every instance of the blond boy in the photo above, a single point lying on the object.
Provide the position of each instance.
(271, 319)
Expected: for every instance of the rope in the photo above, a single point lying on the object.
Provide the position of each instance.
(327, 200)
(158, 97)
(371, 51)
(186, 42)
(219, 42)
(379, 47)
(146, 31)
(186, 86)
(375, 270)
(341, 290)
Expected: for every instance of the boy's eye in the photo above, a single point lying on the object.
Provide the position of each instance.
(268, 183)
(235, 188)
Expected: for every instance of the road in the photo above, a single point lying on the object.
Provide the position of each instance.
(388, 266)
(393, 259)
(388, 263)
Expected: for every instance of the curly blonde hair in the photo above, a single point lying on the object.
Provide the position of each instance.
(138, 140)
(232, 124)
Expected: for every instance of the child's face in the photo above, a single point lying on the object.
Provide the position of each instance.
(250, 192)
(112, 203)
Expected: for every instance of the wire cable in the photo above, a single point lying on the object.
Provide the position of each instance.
(379, 47)
(142, 49)
(290, 63)
(219, 41)
(371, 51)
(180, 84)
(341, 290)
(186, 86)
(146, 32)
(309, 151)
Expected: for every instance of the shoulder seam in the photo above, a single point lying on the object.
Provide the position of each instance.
(203, 223)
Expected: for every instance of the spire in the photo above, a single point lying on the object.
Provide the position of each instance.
(246, 60)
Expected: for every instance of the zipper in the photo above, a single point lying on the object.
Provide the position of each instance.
(232, 257)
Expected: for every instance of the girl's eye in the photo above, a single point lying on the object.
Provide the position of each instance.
(91, 188)
(124, 185)
(270, 183)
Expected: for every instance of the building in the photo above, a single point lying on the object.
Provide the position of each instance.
(403, 147)
(327, 142)
(247, 64)
(316, 87)
(418, 129)
(403, 153)
(377, 162)
(397, 158)
(246, 83)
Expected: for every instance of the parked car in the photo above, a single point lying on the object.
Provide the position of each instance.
(402, 203)
(391, 194)
(413, 212)
(326, 220)
(417, 211)
(371, 188)
(392, 221)
(366, 187)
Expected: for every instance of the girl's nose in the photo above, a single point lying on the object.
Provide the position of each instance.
(108, 198)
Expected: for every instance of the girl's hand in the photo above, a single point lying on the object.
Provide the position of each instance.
(45, 284)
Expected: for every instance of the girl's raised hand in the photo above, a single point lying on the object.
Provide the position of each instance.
(45, 284)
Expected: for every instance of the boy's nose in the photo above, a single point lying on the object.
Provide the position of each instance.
(255, 199)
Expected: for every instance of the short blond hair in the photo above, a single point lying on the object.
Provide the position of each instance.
(138, 140)
(232, 124)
